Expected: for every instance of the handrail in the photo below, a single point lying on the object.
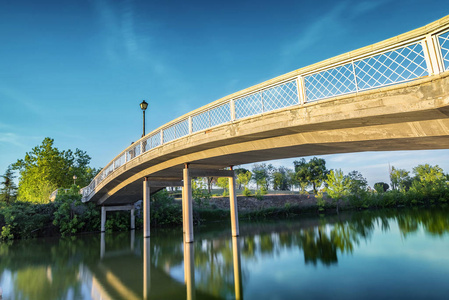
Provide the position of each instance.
(409, 56)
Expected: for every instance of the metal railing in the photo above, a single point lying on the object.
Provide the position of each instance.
(419, 53)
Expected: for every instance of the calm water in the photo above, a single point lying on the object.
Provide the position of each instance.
(370, 255)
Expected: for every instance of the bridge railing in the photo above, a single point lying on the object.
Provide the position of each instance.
(413, 55)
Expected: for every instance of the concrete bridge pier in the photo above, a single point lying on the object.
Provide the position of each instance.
(233, 205)
(187, 215)
(105, 209)
(146, 208)
(148, 185)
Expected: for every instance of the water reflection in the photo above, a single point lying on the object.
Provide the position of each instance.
(146, 267)
(237, 268)
(216, 266)
(189, 270)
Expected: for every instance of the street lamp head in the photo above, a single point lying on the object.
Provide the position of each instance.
(143, 105)
(74, 177)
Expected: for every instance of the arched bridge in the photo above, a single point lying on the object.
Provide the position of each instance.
(392, 95)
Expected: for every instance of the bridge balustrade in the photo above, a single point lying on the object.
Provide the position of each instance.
(395, 63)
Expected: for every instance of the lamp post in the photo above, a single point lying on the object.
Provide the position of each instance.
(143, 106)
(74, 179)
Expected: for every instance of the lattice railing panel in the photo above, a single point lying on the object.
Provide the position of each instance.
(182, 128)
(212, 117)
(133, 152)
(443, 40)
(119, 161)
(169, 134)
(280, 96)
(248, 106)
(395, 66)
(154, 140)
(201, 121)
(176, 131)
(108, 170)
(330, 83)
(220, 114)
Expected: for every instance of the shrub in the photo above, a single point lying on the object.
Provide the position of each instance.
(72, 216)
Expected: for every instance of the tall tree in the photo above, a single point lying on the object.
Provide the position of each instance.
(223, 182)
(243, 179)
(9, 189)
(281, 180)
(338, 186)
(357, 182)
(239, 171)
(400, 179)
(46, 168)
(313, 172)
(428, 178)
(262, 175)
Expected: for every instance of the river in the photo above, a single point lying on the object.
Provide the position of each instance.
(388, 254)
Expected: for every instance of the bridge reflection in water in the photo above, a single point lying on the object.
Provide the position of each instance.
(110, 278)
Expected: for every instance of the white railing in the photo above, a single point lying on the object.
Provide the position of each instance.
(419, 53)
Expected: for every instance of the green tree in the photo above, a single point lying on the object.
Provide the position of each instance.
(400, 179)
(9, 189)
(338, 186)
(429, 174)
(357, 182)
(237, 172)
(281, 179)
(302, 174)
(381, 187)
(223, 182)
(428, 180)
(243, 179)
(313, 172)
(199, 193)
(262, 175)
(46, 168)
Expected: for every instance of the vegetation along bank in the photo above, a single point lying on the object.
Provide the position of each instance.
(263, 192)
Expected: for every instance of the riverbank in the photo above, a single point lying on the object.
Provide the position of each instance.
(68, 216)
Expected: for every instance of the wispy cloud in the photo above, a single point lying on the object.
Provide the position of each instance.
(333, 22)
(121, 40)
(27, 102)
(11, 138)
(311, 35)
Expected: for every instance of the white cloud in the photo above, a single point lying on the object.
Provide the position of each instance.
(333, 22)
(26, 102)
(11, 138)
(121, 41)
(317, 30)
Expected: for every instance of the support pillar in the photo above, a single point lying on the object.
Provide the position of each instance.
(187, 200)
(133, 220)
(234, 209)
(146, 208)
(103, 218)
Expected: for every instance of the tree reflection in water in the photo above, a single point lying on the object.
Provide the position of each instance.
(50, 269)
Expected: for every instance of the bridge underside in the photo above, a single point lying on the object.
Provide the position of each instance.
(411, 116)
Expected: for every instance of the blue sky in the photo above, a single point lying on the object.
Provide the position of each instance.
(76, 71)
